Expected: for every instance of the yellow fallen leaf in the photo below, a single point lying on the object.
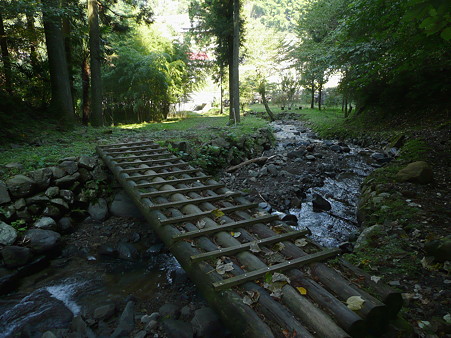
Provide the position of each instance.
(217, 213)
(355, 303)
(302, 291)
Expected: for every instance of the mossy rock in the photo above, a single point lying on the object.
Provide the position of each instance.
(416, 172)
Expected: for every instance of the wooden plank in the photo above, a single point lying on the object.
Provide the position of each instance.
(142, 151)
(224, 227)
(184, 218)
(192, 201)
(126, 158)
(256, 274)
(243, 247)
(172, 182)
(135, 147)
(106, 146)
(161, 160)
(181, 191)
(158, 167)
(171, 173)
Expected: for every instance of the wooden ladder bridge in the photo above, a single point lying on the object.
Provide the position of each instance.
(230, 248)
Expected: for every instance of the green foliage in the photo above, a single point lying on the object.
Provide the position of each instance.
(20, 225)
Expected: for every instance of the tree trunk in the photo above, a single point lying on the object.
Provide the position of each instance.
(312, 101)
(85, 90)
(33, 42)
(221, 75)
(231, 100)
(96, 80)
(235, 63)
(265, 103)
(7, 70)
(67, 31)
(320, 94)
(59, 76)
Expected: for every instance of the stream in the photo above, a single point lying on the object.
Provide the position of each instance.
(76, 284)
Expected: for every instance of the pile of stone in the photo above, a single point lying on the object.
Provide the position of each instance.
(36, 208)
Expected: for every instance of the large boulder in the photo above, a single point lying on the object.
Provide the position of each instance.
(4, 194)
(416, 172)
(123, 206)
(14, 256)
(42, 177)
(320, 203)
(206, 324)
(46, 223)
(126, 321)
(177, 329)
(87, 162)
(8, 234)
(42, 240)
(98, 210)
(21, 186)
(69, 167)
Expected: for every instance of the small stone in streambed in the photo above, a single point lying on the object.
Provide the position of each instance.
(320, 203)
(177, 329)
(104, 312)
(127, 251)
(14, 256)
(127, 321)
(169, 311)
(98, 210)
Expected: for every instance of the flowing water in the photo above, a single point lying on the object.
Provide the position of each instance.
(342, 190)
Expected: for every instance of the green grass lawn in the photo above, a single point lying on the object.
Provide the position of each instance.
(45, 146)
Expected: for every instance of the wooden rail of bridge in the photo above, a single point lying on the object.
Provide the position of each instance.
(197, 219)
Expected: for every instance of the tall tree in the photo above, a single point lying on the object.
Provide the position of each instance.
(96, 117)
(5, 57)
(235, 88)
(59, 75)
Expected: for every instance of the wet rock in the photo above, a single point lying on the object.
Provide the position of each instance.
(140, 334)
(123, 206)
(320, 203)
(380, 157)
(127, 251)
(263, 171)
(67, 196)
(290, 218)
(4, 194)
(57, 172)
(52, 211)
(336, 148)
(87, 162)
(42, 177)
(98, 210)
(206, 323)
(48, 334)
(186, 313)
(80, 327)
(346, 247)
(310, 157)
(416, 172)
(20, 186)
(52, 192)
(296, 154)
(42, 312)
(70, 167)
(169, 311)
(151, 325)
(98, 174)
(85, 175)
(8, 234)
(439, 249)
(39, 199)
(127, 321)
(46, 223)
(67, 181)
(107, 250)
(14, 256)
(42, 240)
(367, 235)
(104, 312)
(65, 225)
(60, 203)
(265, 206)
(273, 169)
(155, 249)
(20, 204)
(177, 329)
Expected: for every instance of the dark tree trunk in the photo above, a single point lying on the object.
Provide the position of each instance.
(312, 101)
(33, 43)
(96, 80)
(67, 31)
(235, 63)
(7, 70)
(262, 92)
(320, 95)
(85, 74)
(221, 76)
(59, 77)
(231, 100)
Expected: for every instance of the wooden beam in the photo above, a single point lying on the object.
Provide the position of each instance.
(224, 227)
(181, 191)
(126, 158)
(171, 173)
(142, 151)
(161, 160)
(184, 218)
(243, 247)
(172, 182)
(256, 274)
(192, 201)
(158, 167)
(107, 146)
